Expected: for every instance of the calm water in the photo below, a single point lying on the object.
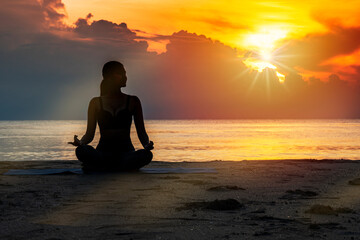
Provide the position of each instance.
(195, 140)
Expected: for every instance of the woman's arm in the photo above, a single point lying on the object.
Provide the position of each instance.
(139, 124)
(91, 123)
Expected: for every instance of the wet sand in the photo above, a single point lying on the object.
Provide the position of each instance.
(301, 199)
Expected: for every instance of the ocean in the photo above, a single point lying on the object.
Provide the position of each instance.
(195, 140)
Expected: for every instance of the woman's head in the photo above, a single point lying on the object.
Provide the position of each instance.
(114, 77)
(111, 68)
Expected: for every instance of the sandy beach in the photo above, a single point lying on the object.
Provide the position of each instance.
(301, 199)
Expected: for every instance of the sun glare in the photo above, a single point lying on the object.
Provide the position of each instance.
(265, 40)
(266, 56)
(257, 64)
(262, 46)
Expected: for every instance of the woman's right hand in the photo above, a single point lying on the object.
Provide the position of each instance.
(76, 141)
(149, 146)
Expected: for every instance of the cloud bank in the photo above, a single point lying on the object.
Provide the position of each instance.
(50, 70)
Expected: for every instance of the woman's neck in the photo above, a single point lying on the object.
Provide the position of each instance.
(115, 94)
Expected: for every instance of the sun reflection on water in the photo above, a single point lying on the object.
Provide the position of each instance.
(195, 140)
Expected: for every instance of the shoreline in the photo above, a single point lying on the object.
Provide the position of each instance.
(210, 161)
(253, 199)
(63, 164)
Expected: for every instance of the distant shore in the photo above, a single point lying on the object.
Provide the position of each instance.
(252, 199)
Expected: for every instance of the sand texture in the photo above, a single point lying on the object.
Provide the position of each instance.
(297, 199)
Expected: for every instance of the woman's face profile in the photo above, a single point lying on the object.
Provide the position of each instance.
(120, 78)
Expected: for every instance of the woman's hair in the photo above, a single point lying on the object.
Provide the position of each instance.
(107, 85)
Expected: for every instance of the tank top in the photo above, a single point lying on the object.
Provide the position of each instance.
(121, 119)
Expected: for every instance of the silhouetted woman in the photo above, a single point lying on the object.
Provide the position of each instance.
(113, 111)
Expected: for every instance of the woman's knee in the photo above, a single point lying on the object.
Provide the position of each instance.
(83, 151)
(147, 156)
(142, 157)
(150, 155)
(80, 150)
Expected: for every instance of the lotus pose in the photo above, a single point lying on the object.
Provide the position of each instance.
(113, 111)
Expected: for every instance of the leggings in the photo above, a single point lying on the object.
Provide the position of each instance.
(122, 161)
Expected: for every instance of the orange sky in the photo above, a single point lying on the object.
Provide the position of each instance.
(259, 26)
(227, 21)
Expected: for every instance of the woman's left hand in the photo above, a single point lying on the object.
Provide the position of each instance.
(76, 142)
(149, 146)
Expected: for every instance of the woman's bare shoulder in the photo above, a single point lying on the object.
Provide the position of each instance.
(95, 102)
(133, 97)
(134, 100)
(94, 99)
(134, 103)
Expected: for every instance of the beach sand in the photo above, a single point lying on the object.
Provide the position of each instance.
(298, 199)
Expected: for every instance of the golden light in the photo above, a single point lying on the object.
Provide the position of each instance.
(257, 64)
(280, 76)
(264, 41)
(262, 46)
(266, 56)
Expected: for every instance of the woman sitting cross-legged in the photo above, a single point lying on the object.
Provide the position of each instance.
(113, 111)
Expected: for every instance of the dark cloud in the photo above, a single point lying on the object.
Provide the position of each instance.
(104, 29)
(20, 16)
(44, 73)
(54, 11)
(192, 75)
(23, 21)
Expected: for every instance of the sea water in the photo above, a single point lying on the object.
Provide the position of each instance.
(195, 140)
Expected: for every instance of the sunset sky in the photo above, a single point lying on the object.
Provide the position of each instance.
(185, 59)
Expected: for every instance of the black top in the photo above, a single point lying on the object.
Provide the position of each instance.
(119, 120)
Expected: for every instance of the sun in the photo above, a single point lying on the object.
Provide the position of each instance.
(266, 56)
(264, 40)
(262, 46)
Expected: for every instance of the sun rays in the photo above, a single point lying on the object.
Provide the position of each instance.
(263, 50)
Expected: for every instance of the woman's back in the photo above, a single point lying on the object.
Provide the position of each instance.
(114, 114)
(114, 119)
